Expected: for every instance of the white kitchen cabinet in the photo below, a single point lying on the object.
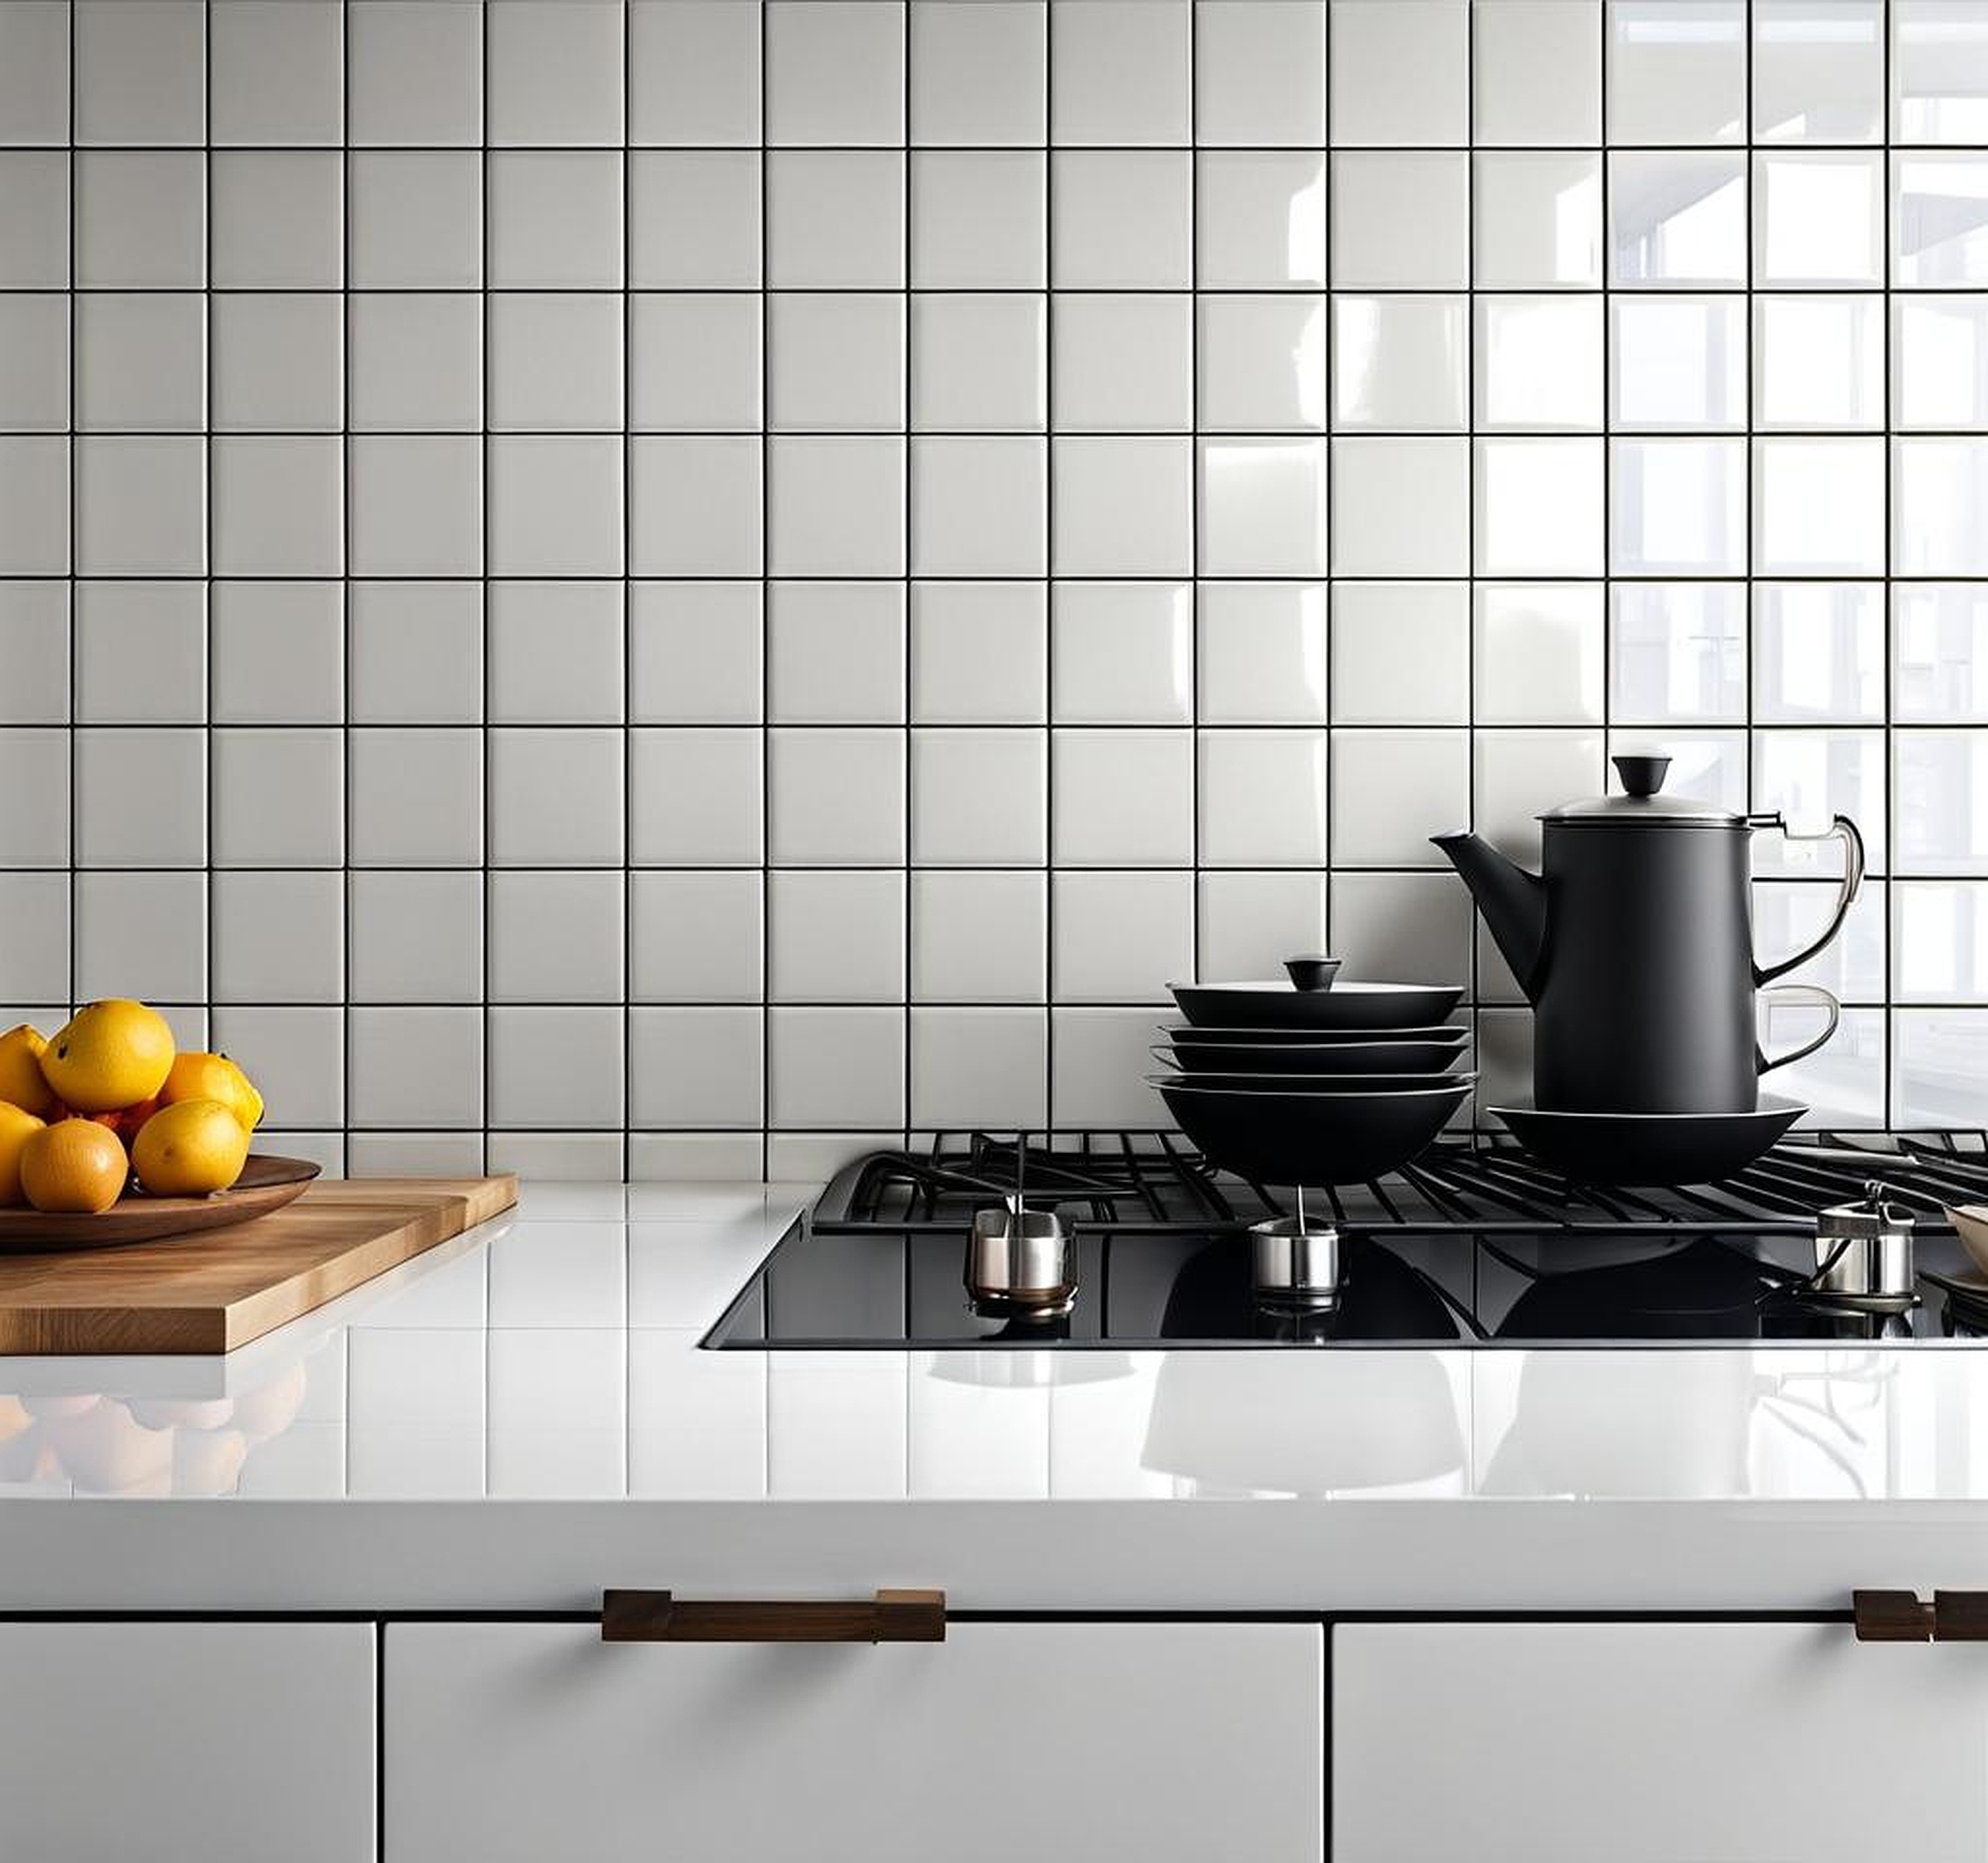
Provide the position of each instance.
(186, 1743)
(1655, 1743)
(1171, 1743)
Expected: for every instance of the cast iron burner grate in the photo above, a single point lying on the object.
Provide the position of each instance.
(1485, 1183)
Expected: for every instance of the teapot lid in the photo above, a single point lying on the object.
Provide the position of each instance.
(1641, 779)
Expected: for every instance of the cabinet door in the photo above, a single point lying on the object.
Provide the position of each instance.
(526, 1741)
(1652, 1743)
(186, 1743)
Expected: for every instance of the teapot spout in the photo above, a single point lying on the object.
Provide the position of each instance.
(1513, 901)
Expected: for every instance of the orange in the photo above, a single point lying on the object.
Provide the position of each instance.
(198, 1076)
(16, 1128)
(190, 1149)
(108, 1055)
(126, 1122)
(21, 1083)
(76, 1165)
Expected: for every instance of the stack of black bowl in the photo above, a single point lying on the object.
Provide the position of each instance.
(1311, 1082)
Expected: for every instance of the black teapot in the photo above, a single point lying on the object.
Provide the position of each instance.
(1634, 945)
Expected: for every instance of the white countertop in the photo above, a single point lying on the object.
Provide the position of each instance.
(523, 1416)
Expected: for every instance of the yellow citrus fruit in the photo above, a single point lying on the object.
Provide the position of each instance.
(108, 1055)
(189, 1148)
(197, 1076)
(16, 1128)
(75, 1165)
(21, 1083)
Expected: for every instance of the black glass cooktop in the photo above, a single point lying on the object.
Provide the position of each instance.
(900, 1289)
(1475, 1245)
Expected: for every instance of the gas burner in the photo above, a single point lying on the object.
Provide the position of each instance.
(1295, 1262)
(1018, 1264)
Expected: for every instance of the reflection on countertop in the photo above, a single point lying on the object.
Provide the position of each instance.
(553, 1355)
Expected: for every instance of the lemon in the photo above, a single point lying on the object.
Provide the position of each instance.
(21, 1083)
(110, 1054)
(198, 1076)
(189, 1148)
(16, 1128)
(75, 1165)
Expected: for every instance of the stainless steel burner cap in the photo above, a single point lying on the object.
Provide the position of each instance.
(1018, 1261)
(1294, 1262)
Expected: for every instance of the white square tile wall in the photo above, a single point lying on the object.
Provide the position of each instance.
(583, 575)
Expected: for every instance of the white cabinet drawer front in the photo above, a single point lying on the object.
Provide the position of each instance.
(1655, 1742)
(531, 1741)
(186, 1743)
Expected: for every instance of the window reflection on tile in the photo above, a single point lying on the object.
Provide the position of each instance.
(1677, 507)
(1820, 507)
(1941, 219)
(1679, 363)
(1818, 70)
(1788, 914)
(1818, 218)
(1942, 76)
(1843, 1084)
(1939, 941)
(1678, 217)
(1818, 362)
(1262, 218)
(1679, 652)
(1819, 652)
(1399, 363)
(1537, 219)
(1940, 1062)
(1942, 800)
(1939, 354)
(1939, 634)
(1538, 507)
(1263, 508)
(1939, 490)
(1811, 776)
(1677, 70)
(1539, 363)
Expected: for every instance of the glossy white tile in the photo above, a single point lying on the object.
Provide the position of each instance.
(1261, 219)
(1400, 506)
(1124, 362)
(1263, 507)
(1263, 652)
(980, 73)
(1123, 798)
(1393, 789)
(1262, 363)
(1537, 65)
(979, 362)
(979, 797)
(1540, 651)
(836, 653)
(1401, 653)
(1124, 71)
(1122, 652)
(1259, 72)
(1121, 219)
(1121, 937)
(836, 936)
(1536, 220)
(835, 71)
(1400, 219)
(1400, 362)
(1123, 507)
(1539, 364)
(978, 218)
(1401, 72)
(1262, 797)
(1677, 70)
(979, 505)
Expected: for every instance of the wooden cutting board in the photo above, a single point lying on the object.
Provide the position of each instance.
(212, 1292)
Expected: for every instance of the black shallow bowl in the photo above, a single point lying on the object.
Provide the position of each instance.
(1343, 1006)
(1637, 1149)
(1316, 1139)
(1316, 1057)
(1186, 1035)
(1248, 1081)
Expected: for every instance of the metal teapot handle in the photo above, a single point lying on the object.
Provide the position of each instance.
(1816, 993)
(1843, 829)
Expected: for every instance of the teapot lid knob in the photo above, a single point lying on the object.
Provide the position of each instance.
(1642, 775)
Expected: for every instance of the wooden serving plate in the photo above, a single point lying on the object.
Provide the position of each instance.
(266, 1183)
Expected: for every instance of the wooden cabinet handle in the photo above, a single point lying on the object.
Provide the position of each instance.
(1892, 1617)
(1901, 1617)
(657, 1617)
